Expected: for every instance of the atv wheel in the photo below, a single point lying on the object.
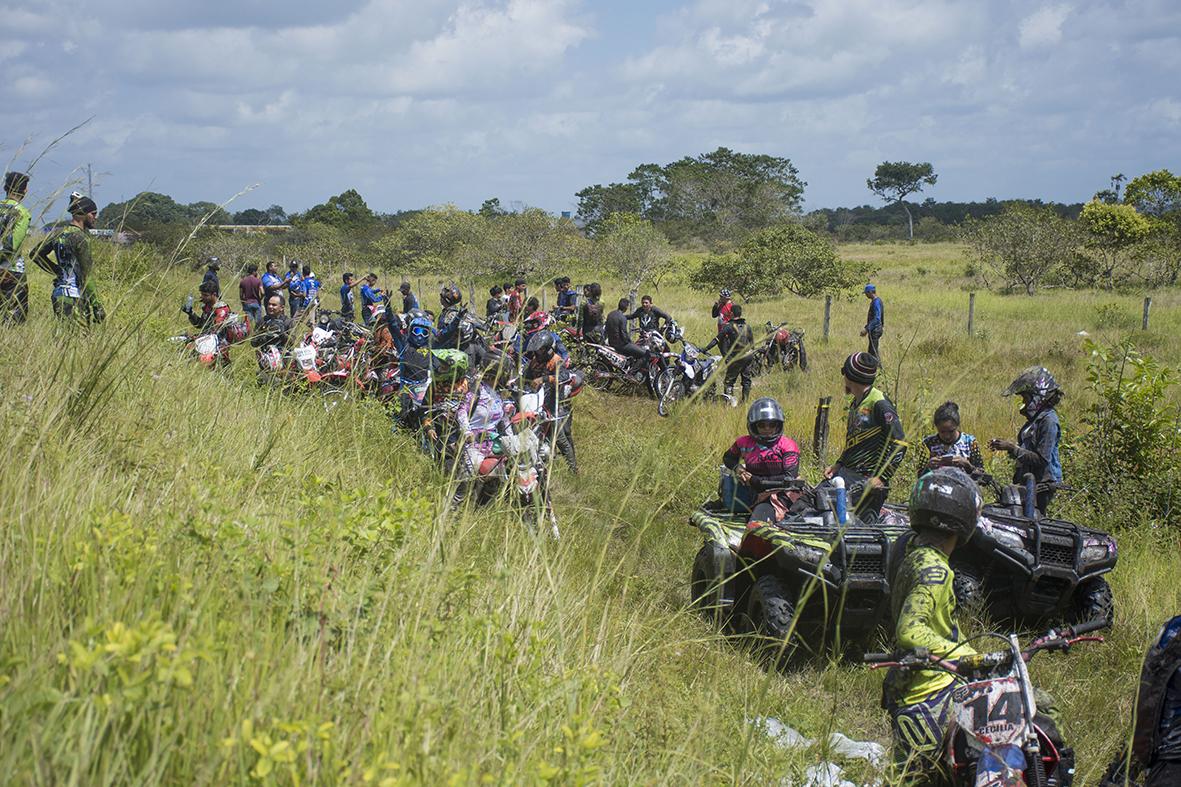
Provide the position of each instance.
(703, 585)
(1093, 600)
(772, 613)
(969, 591)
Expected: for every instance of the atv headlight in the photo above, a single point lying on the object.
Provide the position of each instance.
(1006, 536)
(1096, 550)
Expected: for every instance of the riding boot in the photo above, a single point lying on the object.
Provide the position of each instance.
(566, 446)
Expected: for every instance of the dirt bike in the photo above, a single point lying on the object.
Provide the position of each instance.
(786, 347)
(212, 348)
(613, 371)
(690, 376)
(992, 736)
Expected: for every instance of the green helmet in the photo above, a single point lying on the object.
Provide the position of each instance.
(450, 365)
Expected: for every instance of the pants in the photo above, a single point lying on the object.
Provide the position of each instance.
(564, 438)
(295, 304)
(1042, 500)
(633, 350)
(14, 296)
(736, 369)
(84, 309)
(253, 313)
(874, 338)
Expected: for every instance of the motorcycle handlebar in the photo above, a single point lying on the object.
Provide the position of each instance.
(1089, 626)
(877, 658)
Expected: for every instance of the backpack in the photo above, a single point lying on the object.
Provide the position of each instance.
(10, 215)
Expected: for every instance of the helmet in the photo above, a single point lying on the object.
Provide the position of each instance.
(414, 314)
(725, 293)
(765, 409)
(536, 321)
(450, 366)
(945, 500)
(213, 262)
(1039, 384)
(419, 331)
(450, 295)
(540, 348)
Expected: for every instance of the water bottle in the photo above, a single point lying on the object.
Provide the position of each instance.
(841, 502)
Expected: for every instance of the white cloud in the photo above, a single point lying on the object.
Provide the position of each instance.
(1043, 27)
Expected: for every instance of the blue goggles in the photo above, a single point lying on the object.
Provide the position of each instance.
(420, 331)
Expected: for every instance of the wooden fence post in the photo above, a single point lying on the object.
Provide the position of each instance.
(827, 315)
(1147, 308)
(971, 312)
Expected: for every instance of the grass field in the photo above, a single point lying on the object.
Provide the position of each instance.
(203, 583)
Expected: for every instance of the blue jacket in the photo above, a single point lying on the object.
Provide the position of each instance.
(876, 319)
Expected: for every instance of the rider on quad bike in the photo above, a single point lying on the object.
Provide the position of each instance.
(763, 460)
(944, 512)
(1036, 448)
(874, 442)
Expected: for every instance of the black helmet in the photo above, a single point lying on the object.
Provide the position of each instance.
(80, 205)
(945, 500)
(765, 409)
(449, 295)
(1039, 384)
(213, 262)
(540, 348)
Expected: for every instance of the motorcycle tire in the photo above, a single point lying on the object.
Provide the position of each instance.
(601, 376)
(1092, 600)
(668, 400)
(802, 361)
(773, 614)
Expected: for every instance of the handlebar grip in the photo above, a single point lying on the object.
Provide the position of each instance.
(1089, 626)
(877, 658)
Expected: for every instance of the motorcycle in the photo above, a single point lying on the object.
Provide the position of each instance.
(690, 375)
(609, 369)
(992, 737)
(213, 348)
(780, 347)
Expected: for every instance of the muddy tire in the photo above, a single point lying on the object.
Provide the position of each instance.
(968, 586)
(772, 613)
(1092, 600)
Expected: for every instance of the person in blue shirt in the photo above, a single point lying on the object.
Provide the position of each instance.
(371, 295)
(875, 321)
(294, 283)
(347, 297)
(271, 283)
(311, 288)
(1036, 449)
(567, 298)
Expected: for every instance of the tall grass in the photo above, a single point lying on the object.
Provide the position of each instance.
(202, 582)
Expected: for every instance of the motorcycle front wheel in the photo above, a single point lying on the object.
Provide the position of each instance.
(668, 400)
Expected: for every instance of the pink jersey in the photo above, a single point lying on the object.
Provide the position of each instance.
(781, 459)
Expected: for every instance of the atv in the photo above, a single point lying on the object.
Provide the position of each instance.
(804, 580)
(1026, 568)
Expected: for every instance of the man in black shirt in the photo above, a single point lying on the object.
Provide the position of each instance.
(649, 316)
(617, 334)
(734, 340)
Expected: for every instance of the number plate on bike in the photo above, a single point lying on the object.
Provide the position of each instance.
(990, 711)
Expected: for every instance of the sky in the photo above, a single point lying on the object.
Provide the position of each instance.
(426, 102)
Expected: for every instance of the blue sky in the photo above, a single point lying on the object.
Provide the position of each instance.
(419, 102)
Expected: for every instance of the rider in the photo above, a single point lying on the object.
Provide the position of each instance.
(1036, 449)
(618, 336)
(73, 292)
(950, 446)
(494, 308)
(371, 296)
(590, 313)
(546, 369)
(720, 310)
(481, 419)
(1155, 751)
(874, 442)
(567, 306)
(447, 326)
(274, 330)
(944, 513)
(539, 322)
(449, 383)
(734, 340)
(213, 311)
(764, 458)
(14, 226)
(649, 316)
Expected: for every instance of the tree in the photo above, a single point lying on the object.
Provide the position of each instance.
(1022, 246)
(894, 181)
(633, 249)
(430, 240)
(251, 217)
(1112, 231)
(785, 257)
(528, 243)
(346, 210)
(491, 208)
(596, 203)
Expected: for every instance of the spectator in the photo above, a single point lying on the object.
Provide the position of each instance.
(409, 300)
(372, 296)
(875, 321)
(213, 265)
(347, 297)
(250, 292)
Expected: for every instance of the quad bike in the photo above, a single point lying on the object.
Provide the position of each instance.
(993, 736)
(809, 579)
(688, 377)
(1020, 566)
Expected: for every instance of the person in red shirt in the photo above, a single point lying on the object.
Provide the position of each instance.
(722, 308)
(516, 300)
(250, 293)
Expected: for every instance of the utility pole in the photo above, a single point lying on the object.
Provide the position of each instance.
(89, 181)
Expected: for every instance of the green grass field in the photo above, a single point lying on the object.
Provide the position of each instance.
(205, 583)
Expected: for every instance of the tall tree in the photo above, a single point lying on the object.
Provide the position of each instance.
(894, 181)
(1112, 232)
(346, 210)
(632, 249)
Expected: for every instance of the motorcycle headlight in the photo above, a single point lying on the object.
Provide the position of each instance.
(1096, 550)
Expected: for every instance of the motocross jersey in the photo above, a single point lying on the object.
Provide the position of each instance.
(210, 318)
(414, 364)
(923, 603)
(481, 412)
(447, 328)
(966, 447)
(273, 331)
(874, 442)
(769, 467)
(649, 320)
(71, 261)
(271, 284)
(14, 225)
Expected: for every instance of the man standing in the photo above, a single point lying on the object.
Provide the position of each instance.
(371, 296)
(311, 290)
(516, 300)
(649, 316)
(212, 266)
(721, 310)
(875, 321)
(347, 298)
(14, 226)
(734, 340)
(294, 283)
(874, 442)
(250, 293)
(271, 283)
(409, 299)
(567, 307)
(74, 296)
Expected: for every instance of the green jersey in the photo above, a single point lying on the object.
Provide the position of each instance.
(874, 442)
(924, 608)
(14, 226)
